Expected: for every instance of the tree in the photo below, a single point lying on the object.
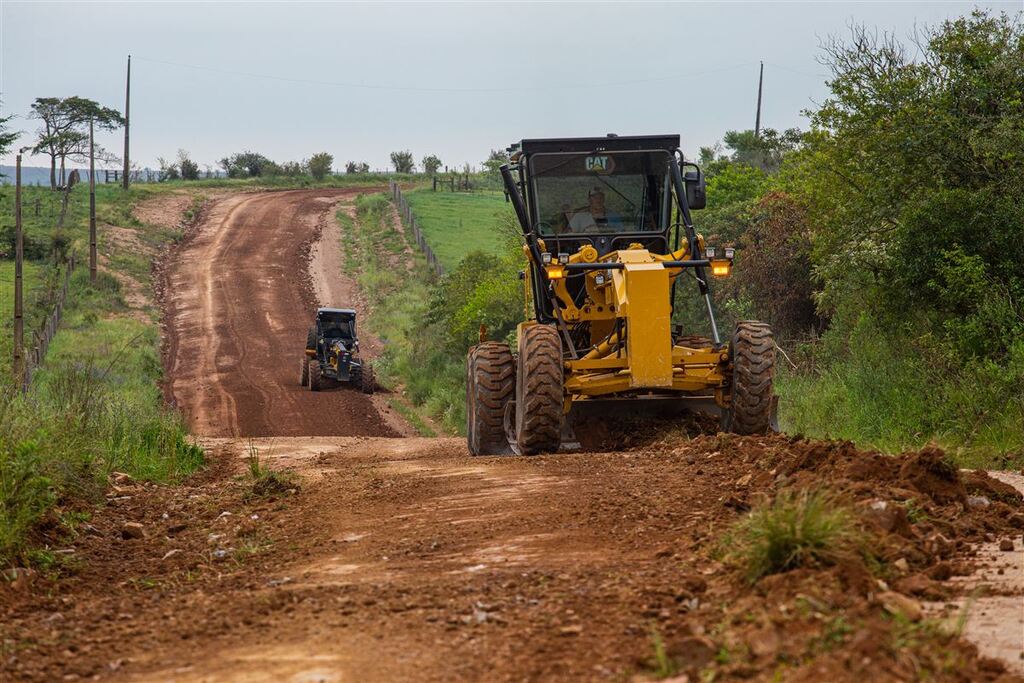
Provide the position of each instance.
(248, 165)
(357, 167)
(494, 162)
(403, 162)
(168, 169)
(430, 164)
(764, 151)
(188, 168)
(7, 137)
(912, 175)
(320, 165)
(65, 129)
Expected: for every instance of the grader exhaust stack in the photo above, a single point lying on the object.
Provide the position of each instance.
(609, 240)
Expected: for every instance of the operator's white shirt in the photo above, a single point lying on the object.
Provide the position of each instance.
(583, 221)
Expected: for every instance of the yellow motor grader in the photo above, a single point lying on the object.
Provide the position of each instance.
(609, 239)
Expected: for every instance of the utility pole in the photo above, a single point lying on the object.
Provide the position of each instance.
(127, 105)
(19, 257)
(757, 122)
(92, 207)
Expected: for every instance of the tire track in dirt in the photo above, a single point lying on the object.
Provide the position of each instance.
(238, 304)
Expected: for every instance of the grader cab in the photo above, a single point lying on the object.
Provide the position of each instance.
(610, 239)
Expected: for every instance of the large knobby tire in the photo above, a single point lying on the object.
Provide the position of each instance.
(753, 368)
(304, 371)
(539, 391)
(490, 383)
(367, 382)
(315, 378)
(311, 339)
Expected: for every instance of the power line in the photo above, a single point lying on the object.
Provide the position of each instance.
(379, 86)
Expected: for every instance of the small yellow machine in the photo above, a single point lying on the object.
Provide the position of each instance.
(609, 239)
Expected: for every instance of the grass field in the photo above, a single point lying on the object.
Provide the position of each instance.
(456, 223)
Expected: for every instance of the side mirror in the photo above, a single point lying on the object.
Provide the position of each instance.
(696, 190)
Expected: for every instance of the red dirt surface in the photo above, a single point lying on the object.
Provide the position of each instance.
(238, 301)
(405, 559)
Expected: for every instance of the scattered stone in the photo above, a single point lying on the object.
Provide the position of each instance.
(1006, 545)
(176, 528)
(171, 553)
(692, 653)
(745, 480)
(941, 572)
(764, 642)
(224, 515)
(573, 630)
(921, 586)
(899, 604)
(978, 501)
(280, 582)
(1017, 520)
(121, 478)
(133, 530)
(902, 565)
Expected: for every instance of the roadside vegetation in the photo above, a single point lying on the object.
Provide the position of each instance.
(427, 324)
(883, 244)
(94, 407)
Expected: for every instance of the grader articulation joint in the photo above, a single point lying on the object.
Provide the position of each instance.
(609, 239)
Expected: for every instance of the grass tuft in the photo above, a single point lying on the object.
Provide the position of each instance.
(797, 529)
(265, 482)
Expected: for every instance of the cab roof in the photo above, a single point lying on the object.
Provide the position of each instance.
(608, 143)
(337, 313)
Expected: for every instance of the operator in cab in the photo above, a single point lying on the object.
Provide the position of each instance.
(595, 218)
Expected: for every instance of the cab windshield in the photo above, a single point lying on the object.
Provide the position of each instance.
(599, 192)
(334, 328)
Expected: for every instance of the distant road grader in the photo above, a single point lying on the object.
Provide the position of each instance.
(332, 352)
(609, 238)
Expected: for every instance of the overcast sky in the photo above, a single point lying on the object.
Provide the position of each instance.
(360, 80)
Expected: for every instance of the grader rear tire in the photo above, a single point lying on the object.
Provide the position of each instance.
(753, 360)
(539, 413)
(367, 382)
(315, 378)
(490, 383)
(304, 371)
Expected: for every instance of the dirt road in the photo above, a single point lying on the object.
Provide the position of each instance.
(239, 301)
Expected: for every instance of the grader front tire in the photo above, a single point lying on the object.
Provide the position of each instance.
(539, 413)
(490, 384)
(315, 377)
(304, 371)
(753, 398)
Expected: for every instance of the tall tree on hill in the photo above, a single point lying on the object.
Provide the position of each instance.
(65, 129)
(430, 164)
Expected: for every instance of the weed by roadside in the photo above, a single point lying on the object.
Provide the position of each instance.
(796, 529)
(265, 482)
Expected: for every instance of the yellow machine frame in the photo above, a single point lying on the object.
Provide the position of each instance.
(632, 299)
